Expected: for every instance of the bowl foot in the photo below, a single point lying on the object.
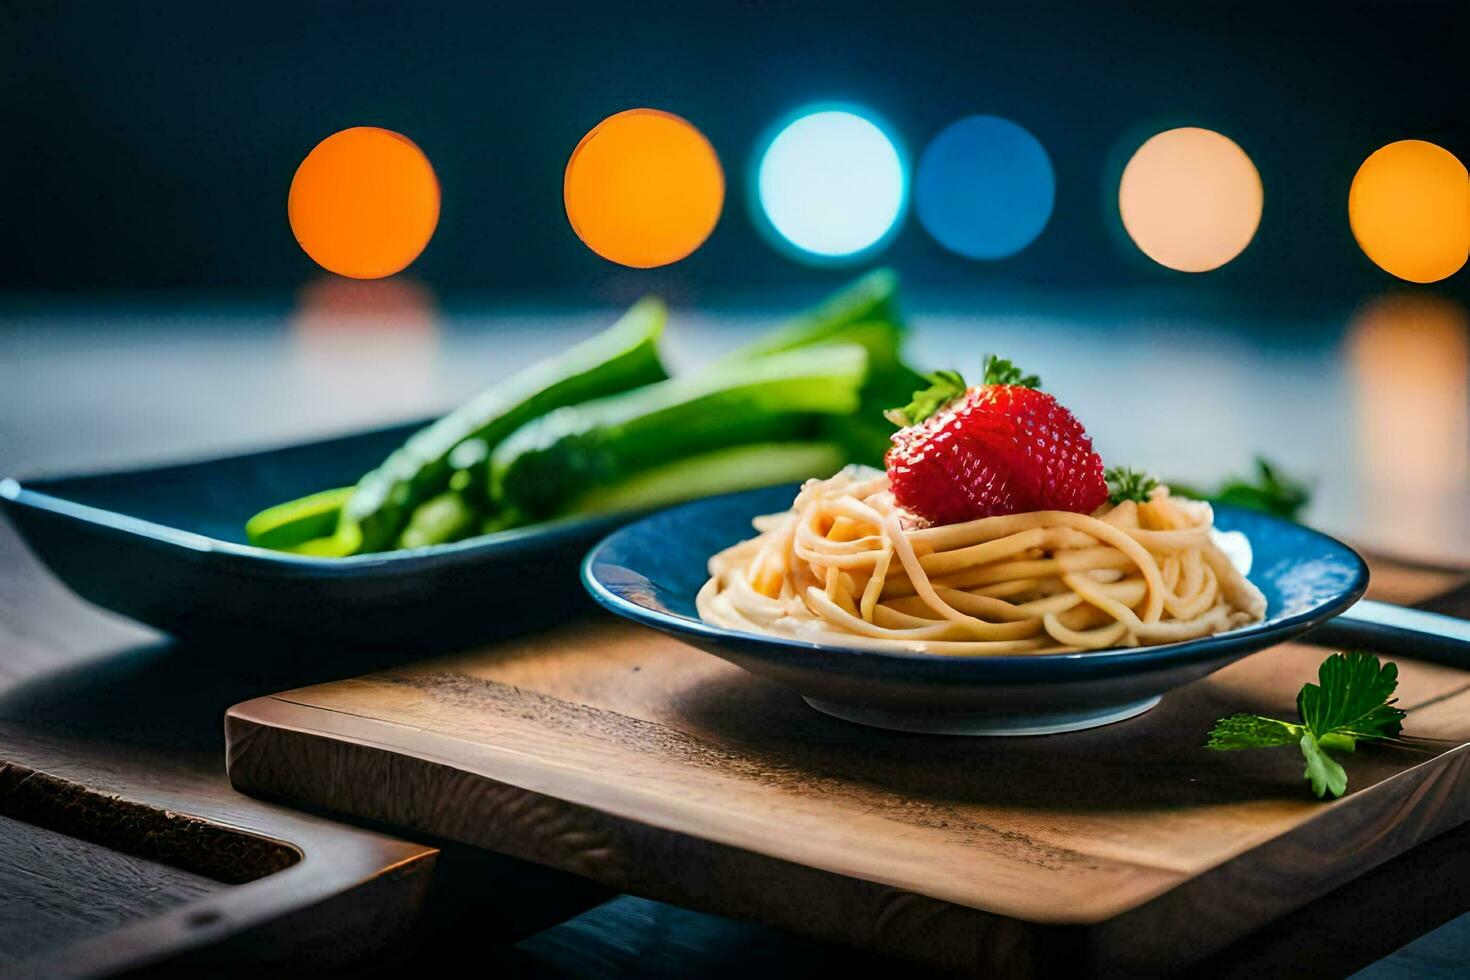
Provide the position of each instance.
(981, 721)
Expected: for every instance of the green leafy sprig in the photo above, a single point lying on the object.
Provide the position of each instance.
(1126, 483)
(1270, 491)
(1351, 701)
(944, 387)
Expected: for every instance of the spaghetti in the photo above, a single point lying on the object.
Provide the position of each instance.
(845, 565)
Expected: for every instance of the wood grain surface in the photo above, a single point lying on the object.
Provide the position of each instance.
(625, 756)
(138, 862)
(62, 890)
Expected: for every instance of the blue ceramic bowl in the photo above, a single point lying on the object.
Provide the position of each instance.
(166, 546)
(651, 570)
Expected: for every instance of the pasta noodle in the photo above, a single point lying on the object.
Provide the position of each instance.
(845, 565)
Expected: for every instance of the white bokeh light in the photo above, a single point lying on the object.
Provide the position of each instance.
(832, 184)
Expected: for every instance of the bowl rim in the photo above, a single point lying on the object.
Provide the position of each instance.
(1164, 654)
(507, 543)
(46, 494)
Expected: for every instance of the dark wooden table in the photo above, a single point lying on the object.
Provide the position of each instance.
(130, 713)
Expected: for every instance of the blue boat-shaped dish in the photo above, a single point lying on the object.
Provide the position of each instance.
(166, 546)
(651, 570)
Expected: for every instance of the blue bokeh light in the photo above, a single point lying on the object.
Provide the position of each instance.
(832, 185)
(984, 188)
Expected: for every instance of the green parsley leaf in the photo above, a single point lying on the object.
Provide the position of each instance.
(1323, 772)
(1352, 700)
(1251, 732)
(1126, 483)
(1353, 696)
(944, 387)
(999, 371)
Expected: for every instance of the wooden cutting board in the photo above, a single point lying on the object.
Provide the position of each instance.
(620, 754)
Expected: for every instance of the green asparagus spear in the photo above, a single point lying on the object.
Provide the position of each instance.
(404, 499)
(622, 357)
(329, 546)
(865, 313)
(722, 471)
(439, 520)
(467, 468)
(545, 464)
(867, 434)
(296, 521)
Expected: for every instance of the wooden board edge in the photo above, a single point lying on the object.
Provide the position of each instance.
(272, 747)
(1359, 923)
(1206, 914)
(1189, 922)
(516, 768)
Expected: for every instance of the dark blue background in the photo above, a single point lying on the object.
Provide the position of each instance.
(151, 145)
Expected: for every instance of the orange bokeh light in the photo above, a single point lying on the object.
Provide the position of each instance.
(1409, 356)
(644, 188)
(364, 202)
(1191, 199)
(1409, 208)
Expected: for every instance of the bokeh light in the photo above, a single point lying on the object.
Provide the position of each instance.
(364, 202)
(1190, 199)
(832, 185)
(1409, 359)
(984, 188)
(644, 188)
(1409, 208)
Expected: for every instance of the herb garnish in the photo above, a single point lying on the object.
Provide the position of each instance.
(1126, 483)
(944, 387)
(1352, 700)
(1271, 492)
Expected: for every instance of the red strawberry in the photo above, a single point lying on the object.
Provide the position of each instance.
(1002, 447)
